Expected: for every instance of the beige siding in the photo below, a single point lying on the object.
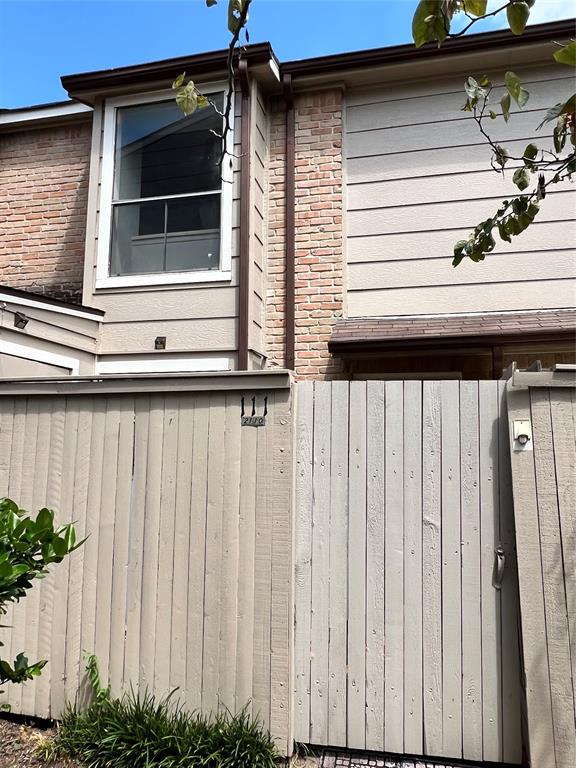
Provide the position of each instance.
(195, 317)
(419, 179)
(258, 213)
(184, 580)
(19, 367)
(403, 642)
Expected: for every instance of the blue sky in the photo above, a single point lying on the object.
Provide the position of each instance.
(40, 40)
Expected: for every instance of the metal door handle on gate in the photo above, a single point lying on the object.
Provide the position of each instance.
(500, 566)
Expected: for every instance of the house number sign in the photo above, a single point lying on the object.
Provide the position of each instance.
(254, 419)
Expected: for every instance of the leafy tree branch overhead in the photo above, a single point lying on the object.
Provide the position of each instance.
(434, 22)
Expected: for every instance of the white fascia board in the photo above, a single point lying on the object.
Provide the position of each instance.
(86, 314)
(164, 365)
(40, 356)
(49, 112)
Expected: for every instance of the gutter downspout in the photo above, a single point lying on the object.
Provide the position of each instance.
(289, 222)
(244, 256)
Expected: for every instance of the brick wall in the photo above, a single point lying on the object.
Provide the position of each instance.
(43, 195)
(318, 226)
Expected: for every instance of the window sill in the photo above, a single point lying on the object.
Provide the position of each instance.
(170, 278)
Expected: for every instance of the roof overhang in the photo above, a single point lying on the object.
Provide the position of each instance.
(42, 114)
(366, 336)
(213, 65)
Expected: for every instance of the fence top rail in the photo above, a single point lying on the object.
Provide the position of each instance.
(561, 377)
(115, 384)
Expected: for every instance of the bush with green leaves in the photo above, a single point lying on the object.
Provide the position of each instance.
(141, 731)
(27, 547)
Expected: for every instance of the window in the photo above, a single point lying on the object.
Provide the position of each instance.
(165, 215)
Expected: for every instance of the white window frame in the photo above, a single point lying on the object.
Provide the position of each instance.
(103, 277)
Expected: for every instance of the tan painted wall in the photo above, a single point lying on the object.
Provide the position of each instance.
(419, 179)
(185, 577)
(402, 641)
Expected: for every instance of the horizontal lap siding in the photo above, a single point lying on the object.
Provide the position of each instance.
(258, 213)
(184, 580)
(419, 179)
(402, 642)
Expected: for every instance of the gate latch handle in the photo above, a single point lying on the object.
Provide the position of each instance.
(500, 565)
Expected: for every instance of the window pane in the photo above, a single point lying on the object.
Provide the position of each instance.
(166, 236)
(160, 151)
(193, 233)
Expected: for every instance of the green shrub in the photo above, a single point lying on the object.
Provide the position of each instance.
(27, 547)
(141, 731)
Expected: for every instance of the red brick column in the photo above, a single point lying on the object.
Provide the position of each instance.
(319, 236)
(43, 198)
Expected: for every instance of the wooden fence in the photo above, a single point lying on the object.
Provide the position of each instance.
(185, 577)
(544, 481)
(404, 642)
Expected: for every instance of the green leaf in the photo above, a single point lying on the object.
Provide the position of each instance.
(505, 103)
(179, 82)
(493, 115)
(187, 99)
(210, 3)
(45, 519)
(567, 55)
(202, 100)
(500, 155)
(502, 232)
(530, 152)
(475, 7)
(514, 88)
(521, 178)
(431, 21)
(567, 108)
(518, 14)
(69, 537)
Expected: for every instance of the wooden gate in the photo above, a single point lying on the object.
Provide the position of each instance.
(406, 625)
(543, 407)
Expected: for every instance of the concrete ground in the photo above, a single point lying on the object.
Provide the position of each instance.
(331, 759)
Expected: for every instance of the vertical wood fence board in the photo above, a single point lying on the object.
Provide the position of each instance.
(262, 578)
(356, 704)
(338, 580)
(557, 633)
(490, 540)
(124, 486)
(213, 566)
(166, 545)
(102, 647)
(197, 560)
(246, 541)
(29, 608)
(151, 533)
(303, 559)
(451, 572)
(179, 597)
(564, 435)
(394, 563)
(413, 680)
(539, 705)
(136, 542)
(320, 563)
(375, 559)
(74, 660)
(229, 604)
(471, 594)
(282, 618)
(15, 488)
(66, 511)
(512, 694)
(6, 439)
(432, 568)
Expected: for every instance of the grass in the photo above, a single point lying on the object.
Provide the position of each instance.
(141, 731)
